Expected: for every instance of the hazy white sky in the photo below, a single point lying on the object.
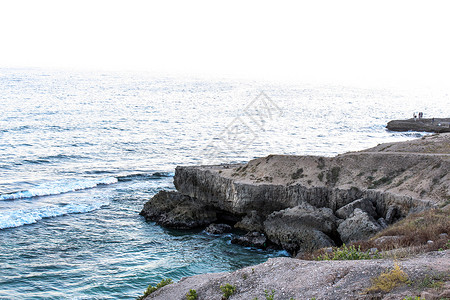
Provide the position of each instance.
(351, 42)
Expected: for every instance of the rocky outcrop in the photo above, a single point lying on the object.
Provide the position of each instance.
(364, 204)
(305, 202)
(359, 226)
(301, 228)
(438, 125)
(175, 210)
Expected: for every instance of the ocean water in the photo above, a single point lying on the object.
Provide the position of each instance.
(81, 152)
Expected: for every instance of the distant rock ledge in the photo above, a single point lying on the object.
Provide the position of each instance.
(301, 203)
(438, 125)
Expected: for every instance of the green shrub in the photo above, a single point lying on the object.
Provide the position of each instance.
(192, 295)
(298, 174)
(320, 176)
(269, 296)
(333, 175)
(151, 289)
(348, 253)
(227, 290)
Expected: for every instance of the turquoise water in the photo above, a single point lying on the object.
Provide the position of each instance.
(80, 154)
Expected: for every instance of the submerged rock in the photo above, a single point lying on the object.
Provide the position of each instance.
(359, 226)
(251, 239)
(218, 228)
(175, 210)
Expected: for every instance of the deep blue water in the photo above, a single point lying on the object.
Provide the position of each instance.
(81, 152)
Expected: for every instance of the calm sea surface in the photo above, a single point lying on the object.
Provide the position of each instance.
(81, 152)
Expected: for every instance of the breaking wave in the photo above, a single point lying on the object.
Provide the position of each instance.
(59, 187)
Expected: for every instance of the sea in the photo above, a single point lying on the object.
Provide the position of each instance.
(82, 151)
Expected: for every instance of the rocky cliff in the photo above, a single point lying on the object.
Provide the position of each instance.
(306, 202)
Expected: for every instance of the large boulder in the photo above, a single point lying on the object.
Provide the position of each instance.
(364, 204)
(301, 228)
(359, 226)
(175, 210)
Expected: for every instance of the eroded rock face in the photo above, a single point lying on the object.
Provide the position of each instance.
(175, 210)
(358, 226)
(301, 228)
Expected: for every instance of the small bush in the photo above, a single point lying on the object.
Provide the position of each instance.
(269, 296)
(227, 290)
(348, 253)
(320, 176)
(151, 289)
(388, 280)
(321, 163)
(192, 295)
(333, 175)
(434, 282)
(298, 174)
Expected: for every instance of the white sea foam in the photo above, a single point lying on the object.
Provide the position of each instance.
(19, 217)
(59, 187)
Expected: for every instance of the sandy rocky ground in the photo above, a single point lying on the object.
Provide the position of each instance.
(301, 279)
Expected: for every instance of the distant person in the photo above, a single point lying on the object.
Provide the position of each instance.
(414, 115)
(432, 121)
(420, 115)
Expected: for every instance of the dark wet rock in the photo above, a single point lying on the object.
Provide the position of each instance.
(218, 228)
(359, 226)
(301, 228)
(363, 204)
(175, 210)
(251, 239)
(251, 222)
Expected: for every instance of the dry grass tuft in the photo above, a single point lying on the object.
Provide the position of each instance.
(407, 237)
(414, 230)
(388, 280)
